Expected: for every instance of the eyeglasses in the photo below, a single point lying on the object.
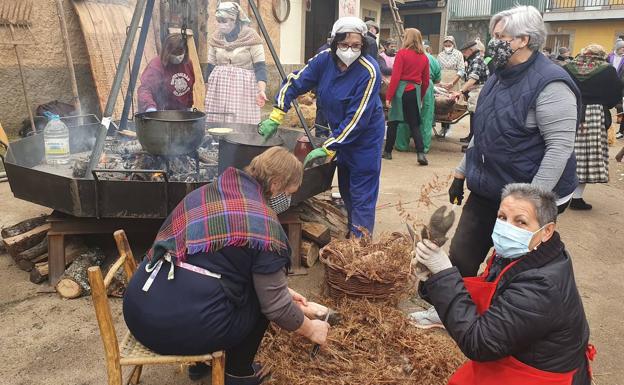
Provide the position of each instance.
(222, 20)
(355, 47)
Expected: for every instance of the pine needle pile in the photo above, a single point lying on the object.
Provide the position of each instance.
(373, 344)
(361, 267)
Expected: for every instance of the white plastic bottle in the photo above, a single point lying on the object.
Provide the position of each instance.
(56, 140)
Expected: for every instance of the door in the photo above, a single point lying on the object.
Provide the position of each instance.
(319, 22)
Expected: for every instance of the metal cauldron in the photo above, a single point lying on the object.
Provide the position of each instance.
(170, 132)
(237, 150)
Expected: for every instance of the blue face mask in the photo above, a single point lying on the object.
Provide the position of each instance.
(511, 241)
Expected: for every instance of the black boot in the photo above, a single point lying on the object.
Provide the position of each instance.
(580, 204)
(387, 155)
(422, 160)
(198, 371)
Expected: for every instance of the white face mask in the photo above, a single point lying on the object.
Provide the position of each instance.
(227, 27)
(348, 56)
(448, 49)
(176, 59)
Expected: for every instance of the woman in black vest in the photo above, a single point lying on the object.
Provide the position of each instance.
(524, 130)
(601, 90)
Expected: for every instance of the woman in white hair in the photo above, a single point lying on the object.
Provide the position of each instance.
(347, 83)
(236, 73)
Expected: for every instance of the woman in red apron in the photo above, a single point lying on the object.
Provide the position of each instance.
(522, 321)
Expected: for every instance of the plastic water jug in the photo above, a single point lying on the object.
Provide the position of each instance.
(56, 140)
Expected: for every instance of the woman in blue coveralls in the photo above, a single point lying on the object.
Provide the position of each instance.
(347, 83)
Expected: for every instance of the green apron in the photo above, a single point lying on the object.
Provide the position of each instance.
(396, 114)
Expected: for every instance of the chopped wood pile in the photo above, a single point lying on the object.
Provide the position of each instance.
(27, 243)
(374, 343)
(323, 222)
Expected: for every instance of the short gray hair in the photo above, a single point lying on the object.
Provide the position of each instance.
(522, 20)
(544, 202)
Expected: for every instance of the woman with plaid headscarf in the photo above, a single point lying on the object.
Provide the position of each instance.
(236, 75)
(601, 90)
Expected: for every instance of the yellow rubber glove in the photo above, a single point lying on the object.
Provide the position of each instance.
(269, 127)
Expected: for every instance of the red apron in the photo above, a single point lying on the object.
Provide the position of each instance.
(508, 370)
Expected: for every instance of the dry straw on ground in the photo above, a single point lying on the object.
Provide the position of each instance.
(374, 344)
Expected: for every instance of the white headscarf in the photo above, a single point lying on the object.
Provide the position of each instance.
(349, 24)
(232, 10)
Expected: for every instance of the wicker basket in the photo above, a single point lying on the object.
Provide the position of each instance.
(356, 286)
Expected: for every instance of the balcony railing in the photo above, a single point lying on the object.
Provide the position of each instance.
(583, 5)
(484, 9)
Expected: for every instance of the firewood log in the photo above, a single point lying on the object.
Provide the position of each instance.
(74, 282)
(23, 227)
(309, 253)
(39, 272)
(316, 232)
(26, 240)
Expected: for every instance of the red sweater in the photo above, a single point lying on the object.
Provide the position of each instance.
(412, 67)
(166, 88)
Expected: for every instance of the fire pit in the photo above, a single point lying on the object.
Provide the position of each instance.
(128, 182)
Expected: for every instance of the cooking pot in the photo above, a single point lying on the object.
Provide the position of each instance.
(170, 132)
(237, 150)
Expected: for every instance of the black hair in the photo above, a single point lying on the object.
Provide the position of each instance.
(340, 37)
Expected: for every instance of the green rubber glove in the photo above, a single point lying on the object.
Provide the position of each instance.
(269, 127)
(317, 153)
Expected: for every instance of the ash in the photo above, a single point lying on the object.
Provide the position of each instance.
(121, 156)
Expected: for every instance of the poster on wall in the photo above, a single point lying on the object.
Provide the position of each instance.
(348, 8)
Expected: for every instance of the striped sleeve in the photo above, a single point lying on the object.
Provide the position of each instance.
(360, 108)
(300, 82)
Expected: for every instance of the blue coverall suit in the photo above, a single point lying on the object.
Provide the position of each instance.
(350, 101)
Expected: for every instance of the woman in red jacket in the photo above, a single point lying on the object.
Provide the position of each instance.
(408, 86)
(167, 81)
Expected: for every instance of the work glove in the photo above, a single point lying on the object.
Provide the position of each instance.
(268, 127)
(418, 271)
(432, 256)
(456, 191)
(317, 153)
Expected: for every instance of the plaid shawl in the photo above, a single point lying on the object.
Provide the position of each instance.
(229, 212)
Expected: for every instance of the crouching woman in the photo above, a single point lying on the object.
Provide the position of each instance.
(216, 273)
(522, 321)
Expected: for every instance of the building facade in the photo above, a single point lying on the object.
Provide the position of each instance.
(578, 23)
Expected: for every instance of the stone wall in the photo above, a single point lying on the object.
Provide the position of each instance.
(44, 66)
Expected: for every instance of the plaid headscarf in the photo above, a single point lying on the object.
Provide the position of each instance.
(229, 212)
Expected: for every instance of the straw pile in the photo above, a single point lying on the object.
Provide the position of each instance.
(373, 344)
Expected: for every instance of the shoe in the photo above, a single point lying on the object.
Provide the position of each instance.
(260, 374)
(426, 319)
(387, 155)
(422, 160)
(198, 371)
(465, 139)
(619, 135)
(579, 204)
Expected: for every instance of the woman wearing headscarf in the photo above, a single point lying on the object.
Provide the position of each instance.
(408, 86)
(347, 86)
(453, 69)
(601, 90)
(167, 81)
(216, 273)
(236, 72)
(521, 322)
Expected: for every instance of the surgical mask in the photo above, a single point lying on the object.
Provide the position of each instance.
(448, 49)
(227, 27)
(176, 59)
(511, 241)
(501, 52)
(348, 56)
(280, 202)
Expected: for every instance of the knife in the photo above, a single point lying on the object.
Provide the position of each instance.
(317, 347)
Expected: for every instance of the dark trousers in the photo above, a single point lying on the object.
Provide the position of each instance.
(411, 114)
(473, 238)
(619, 110)
(359, 190)
(238, 360)
(471, 129)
